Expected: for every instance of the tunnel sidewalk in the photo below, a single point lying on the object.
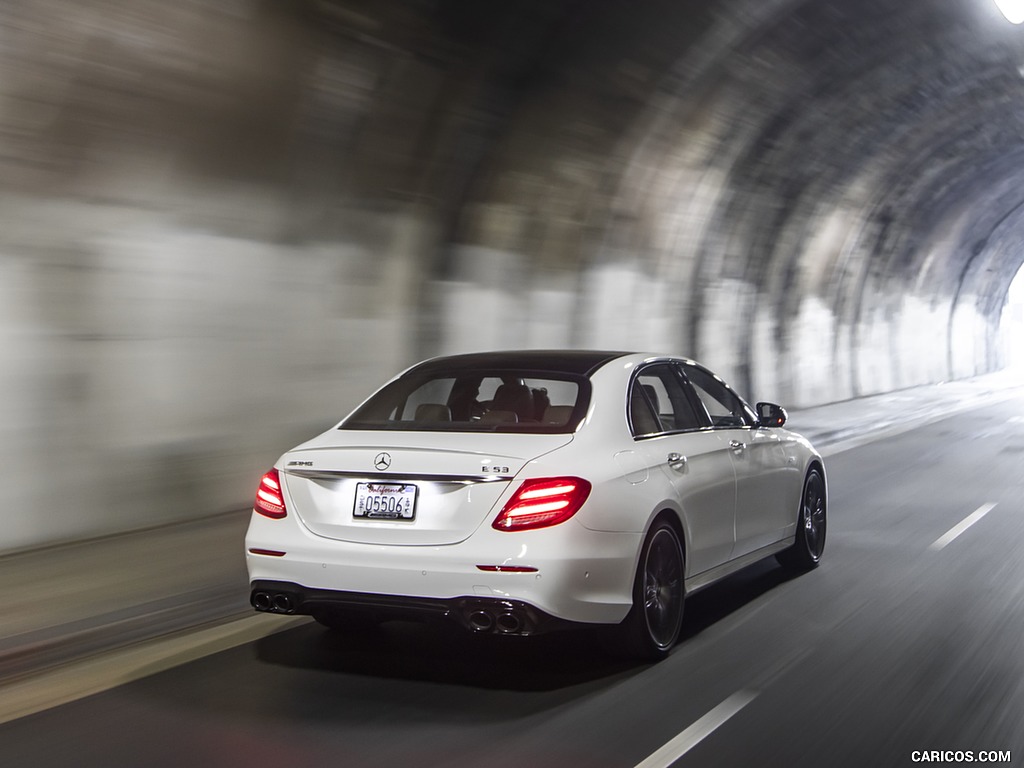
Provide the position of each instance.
(75, 600)
(80, 599)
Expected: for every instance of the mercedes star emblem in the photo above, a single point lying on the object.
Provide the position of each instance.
(382, 461)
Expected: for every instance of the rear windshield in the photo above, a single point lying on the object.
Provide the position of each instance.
(492, 401)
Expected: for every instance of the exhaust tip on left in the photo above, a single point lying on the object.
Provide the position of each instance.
(262, 601)
(273, 602)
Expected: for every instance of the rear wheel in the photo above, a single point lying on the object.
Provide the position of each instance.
(811, 524)
(652, 626)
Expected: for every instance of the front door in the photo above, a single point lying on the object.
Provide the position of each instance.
(763, 476)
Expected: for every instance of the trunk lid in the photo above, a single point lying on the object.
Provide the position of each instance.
(405, 488)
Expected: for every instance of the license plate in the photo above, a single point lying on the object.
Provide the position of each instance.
(385, 501)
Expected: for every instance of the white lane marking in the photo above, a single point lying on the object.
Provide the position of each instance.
(697, 732)
(77, 680)
(960, 527)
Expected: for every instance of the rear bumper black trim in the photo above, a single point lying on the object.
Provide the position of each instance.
(486, 615)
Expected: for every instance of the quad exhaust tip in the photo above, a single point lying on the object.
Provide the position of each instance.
(283, 603)
(273, 602)
(507, 622)
(504, 623)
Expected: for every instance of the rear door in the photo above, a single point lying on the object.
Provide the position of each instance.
(695, 462)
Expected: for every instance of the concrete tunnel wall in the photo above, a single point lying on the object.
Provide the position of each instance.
(223, 223)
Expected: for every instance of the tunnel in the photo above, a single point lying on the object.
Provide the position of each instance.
(223, 223)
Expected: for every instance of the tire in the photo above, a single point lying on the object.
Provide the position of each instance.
(652, 626)
(811, 525)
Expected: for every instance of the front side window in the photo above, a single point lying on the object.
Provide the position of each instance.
(658, 402)
(724, 407)
(505, 401)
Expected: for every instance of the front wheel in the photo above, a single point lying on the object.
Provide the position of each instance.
(652, 626)
(805, 553)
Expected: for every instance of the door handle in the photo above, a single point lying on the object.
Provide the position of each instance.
(736, 445)
(676, 460)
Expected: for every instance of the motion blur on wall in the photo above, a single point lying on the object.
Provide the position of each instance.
(222, 222)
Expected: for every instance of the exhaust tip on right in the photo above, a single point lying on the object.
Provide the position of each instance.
(508, 623)
(283, 603)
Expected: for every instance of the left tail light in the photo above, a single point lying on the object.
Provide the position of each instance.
(270, 497)
(541, 502)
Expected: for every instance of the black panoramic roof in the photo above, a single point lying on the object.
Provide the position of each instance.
(571, 361)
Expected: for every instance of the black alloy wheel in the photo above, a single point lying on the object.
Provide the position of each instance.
(811, 525)
(652, 626)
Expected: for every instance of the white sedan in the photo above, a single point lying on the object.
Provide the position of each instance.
(518, 492)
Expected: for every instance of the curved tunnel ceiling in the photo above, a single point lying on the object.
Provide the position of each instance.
(867, 155)
(819, 198)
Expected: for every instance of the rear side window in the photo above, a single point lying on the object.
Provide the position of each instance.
(505, 401)
(658, 402)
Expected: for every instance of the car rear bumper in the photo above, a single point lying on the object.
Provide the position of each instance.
(567, 572)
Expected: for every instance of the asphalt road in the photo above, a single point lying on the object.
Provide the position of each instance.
(908, 638)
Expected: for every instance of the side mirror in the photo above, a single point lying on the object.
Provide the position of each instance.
(770, 415)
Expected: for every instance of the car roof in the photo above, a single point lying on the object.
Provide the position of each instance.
(579, 362)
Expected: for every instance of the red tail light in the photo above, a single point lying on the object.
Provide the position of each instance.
(270, 497)
(542, 502)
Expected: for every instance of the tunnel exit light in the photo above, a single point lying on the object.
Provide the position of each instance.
(1013, 10)
(1011, 324)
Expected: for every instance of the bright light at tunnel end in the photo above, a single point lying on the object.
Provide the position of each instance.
(1013, 10)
